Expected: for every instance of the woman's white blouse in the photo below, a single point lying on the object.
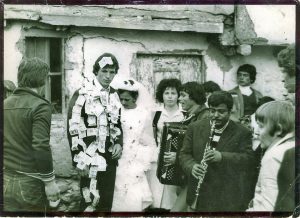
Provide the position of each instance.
(166, 117)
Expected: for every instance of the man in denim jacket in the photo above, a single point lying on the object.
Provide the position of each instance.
(28, 171)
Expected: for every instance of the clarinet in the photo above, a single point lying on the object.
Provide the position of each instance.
(204, 165)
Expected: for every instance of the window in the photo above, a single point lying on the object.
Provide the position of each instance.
(51, 51)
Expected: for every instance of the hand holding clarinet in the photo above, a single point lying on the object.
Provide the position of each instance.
(211, 156)
(199, 170)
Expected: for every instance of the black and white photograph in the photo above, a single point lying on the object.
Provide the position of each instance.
(149, 110)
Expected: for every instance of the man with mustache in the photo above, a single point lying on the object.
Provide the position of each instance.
(225, 179)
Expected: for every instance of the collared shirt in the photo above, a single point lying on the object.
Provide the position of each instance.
(107, 94)
(198, 112)
(165, 116)
(266, 190)
(255, 140)
(195, 109)
(245, 90)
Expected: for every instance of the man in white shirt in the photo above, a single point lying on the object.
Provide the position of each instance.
(244, 96)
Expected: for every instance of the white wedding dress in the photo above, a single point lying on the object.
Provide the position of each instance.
(132, 191)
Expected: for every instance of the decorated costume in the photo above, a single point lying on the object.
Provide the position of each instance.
(93, 129)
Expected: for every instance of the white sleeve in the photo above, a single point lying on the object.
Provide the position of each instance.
(265, 199)
(148, 145)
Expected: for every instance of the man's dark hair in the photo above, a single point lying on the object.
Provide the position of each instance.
(249, 69)
(286, 59)
(115, 64)
(264, 100)
(220, 97)
(164, 84)
(210, 87)
(32, 73)
(195, 91)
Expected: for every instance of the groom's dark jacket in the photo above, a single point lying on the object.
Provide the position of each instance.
(106, 179)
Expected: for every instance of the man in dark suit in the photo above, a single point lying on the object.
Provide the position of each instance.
(225, 186)
(95, 134)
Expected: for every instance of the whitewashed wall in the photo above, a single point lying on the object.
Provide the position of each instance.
(83, 49)
(276, 23)
(12, 54)
(268, 79)
(124, 45)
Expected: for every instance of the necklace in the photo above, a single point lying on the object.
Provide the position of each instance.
(219, 131)
(186, 120)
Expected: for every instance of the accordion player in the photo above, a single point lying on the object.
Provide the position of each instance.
(172, 139)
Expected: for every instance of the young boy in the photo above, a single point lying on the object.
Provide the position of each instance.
(275, 130)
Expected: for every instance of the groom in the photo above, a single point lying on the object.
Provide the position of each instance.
(95, 135)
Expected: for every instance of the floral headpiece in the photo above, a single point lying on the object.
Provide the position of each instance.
(128, 85)
(105, 61)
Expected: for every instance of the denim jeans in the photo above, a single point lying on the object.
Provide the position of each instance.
(23, 193)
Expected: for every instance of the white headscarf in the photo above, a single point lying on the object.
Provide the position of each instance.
(144, 99)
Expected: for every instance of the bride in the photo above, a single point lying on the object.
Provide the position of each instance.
(132, 191)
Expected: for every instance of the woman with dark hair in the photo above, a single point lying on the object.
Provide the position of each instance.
(244, 96)
(168, 93)
(132, 191)
(164, 196)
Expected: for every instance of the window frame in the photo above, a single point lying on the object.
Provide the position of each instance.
(47, 34)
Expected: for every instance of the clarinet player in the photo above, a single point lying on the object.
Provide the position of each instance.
(217, 155)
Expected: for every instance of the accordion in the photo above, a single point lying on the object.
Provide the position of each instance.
(172, 139)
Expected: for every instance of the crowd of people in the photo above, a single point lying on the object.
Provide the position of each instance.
(237, 153)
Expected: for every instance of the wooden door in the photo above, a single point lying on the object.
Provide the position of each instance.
(150, 69)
